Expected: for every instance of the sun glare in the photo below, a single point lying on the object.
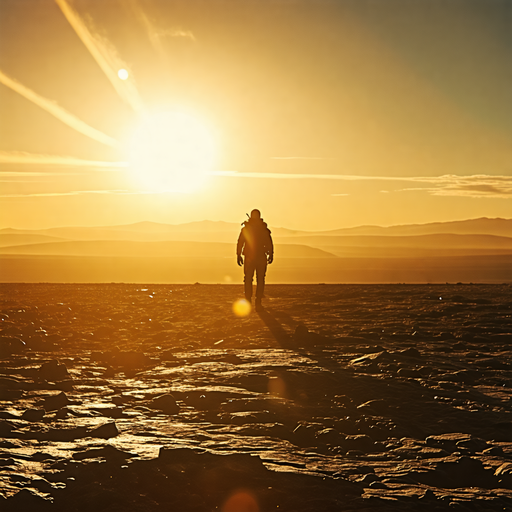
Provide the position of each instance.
(122, 74)
(171, 151)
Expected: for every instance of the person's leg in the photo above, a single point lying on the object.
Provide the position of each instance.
(248, 277)
(261, 270)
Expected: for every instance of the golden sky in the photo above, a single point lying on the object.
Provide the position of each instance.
(321, 113)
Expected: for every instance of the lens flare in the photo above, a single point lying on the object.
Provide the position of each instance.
(241, 501)
(242, 307)
(122, 74)
(277, 387)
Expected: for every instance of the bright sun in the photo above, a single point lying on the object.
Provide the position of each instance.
(171, 151)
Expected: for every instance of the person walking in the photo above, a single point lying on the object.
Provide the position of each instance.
(256, 246)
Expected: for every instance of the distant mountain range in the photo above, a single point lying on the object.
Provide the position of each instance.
(478, 250)
(481, 226)
(156, 231)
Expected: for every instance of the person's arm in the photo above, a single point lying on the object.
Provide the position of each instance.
(270, 250)
(239, 247)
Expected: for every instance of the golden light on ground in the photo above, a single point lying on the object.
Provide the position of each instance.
(122, 74)
(171, 151)
(242, 307)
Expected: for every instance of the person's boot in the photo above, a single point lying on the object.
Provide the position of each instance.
(258, 304)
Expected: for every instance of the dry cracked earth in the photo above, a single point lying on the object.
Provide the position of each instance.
(331, 398)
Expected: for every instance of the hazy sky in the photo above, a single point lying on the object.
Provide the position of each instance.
(323, 114)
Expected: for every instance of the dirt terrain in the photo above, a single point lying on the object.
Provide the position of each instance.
(331, 398)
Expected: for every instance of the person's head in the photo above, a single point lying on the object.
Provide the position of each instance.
(255, 214)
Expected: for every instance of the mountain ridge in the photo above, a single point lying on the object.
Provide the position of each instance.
(152, 231)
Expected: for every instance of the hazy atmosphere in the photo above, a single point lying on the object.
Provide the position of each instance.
(255, 255)
(322, 114)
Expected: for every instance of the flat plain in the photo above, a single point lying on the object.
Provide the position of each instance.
(331, 398)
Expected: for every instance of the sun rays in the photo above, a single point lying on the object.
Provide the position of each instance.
(58, 112)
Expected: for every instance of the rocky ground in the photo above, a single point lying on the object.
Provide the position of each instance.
(331, 398)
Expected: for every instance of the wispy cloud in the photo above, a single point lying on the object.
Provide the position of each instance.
(480, 185)
(179, 32)
(57, 111)
(105, 55)
(70, 193)
(477, 186)
(156, 34)
(22, 157)
(300, 158)
(171, 32)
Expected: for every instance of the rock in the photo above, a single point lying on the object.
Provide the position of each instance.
(474, 444)
(359, 442)
(28, 499)
(377, 406)
(378, 485)
(304, 434)
(165, 403)
(245, 417)
(108, 452)
(53, 371)
(447, 441)
(330, 436)
(462, 376)
(504, 474)
(409, 373)
(369, 478)
(465, 472)
(410, 352)
(63, 434)
(11, 345)
(65, 385)
(40, 456)
(105, 431)
(371, 358)
(62, 413)
(6, 428)
(33, 415)
(109, 372)
(428, 452)
(428, 495)
(493, 450)
(301, 332)
(7, 462)
(55, 402)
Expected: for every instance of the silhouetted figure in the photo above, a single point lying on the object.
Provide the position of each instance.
(255, 243)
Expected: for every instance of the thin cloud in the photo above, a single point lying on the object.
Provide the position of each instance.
(57, 111)
(480, 185)
(177, 32)
(70, 193)
(156, 34)
(151, 30)
(477, 186)
(300, 158)
(290, 176)
(105, 55)
(22, 157)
